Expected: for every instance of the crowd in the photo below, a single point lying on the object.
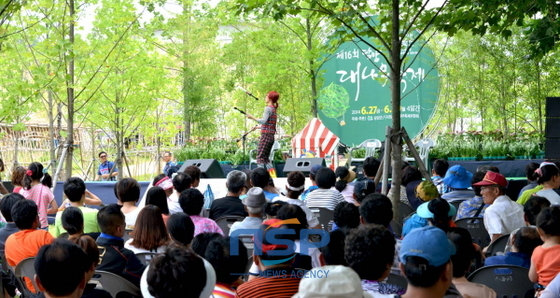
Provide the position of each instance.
(192, 255)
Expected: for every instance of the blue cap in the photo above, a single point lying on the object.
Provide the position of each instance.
(429, 243)
(424, 211)
(458, 177)
(315, 169)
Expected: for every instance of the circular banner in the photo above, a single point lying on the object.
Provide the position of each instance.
(355, 101)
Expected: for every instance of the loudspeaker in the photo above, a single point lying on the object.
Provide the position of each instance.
(209, 168)
(552, 128)
(303, 165)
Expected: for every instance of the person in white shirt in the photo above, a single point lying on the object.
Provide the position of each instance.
(548, 176)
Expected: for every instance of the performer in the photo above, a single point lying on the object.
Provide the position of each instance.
(268, 129)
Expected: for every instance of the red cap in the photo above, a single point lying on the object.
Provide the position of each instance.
(492, 178)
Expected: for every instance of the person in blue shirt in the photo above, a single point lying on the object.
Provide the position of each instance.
(107, 169)
(312, 173)
(169, 164)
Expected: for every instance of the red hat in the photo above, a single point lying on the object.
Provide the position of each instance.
(492, 178)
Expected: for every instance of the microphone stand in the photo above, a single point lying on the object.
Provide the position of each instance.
(243, 138)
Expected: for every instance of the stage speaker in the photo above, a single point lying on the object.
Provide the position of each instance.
(303, 165)
(552, 128)
(209, 168)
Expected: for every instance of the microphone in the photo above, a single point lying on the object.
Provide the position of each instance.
(247, 92)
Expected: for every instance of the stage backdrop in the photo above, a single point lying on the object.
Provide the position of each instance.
(355, 102)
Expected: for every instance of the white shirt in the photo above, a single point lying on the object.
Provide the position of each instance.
(173, 203)
(503, 216)
(130, 217)
(312, 220)
(550, 195)
(324, 198)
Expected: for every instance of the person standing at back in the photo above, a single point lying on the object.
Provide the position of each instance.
(107, 170)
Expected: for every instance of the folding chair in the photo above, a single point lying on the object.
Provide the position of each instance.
(249, 244)
(396, 227)
(225, 222)
(325, 217)
(497, 246)
(115, 284)
(475, 226)
(146, 257)
(25, 268)
(507, 280)
(404, 211)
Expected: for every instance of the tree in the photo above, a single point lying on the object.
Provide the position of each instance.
(400, 24)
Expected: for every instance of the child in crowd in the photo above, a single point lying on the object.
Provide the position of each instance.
(37, 184)
(545, 262)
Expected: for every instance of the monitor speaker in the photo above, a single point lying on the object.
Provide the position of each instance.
(303, 165)
(552, 129)
(209, 168)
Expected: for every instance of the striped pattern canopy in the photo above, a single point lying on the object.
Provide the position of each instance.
(316, 137)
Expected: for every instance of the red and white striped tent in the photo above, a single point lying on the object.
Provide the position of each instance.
(314, 137)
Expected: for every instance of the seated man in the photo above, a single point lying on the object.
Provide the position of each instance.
(261, 178)
(312, 173)
(75, 191)
(27, 242)
(458, 179)
(439, 169)
(522, 245)
(230, 204)
(504, 215)
(253, 202)
(6, 204)
(192, 201)
(473, 207)
(61, 270)
(112, 254)
(426, 262)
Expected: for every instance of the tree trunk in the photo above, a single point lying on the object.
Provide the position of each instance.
(70, 93)
(185, 58)
(396, 139)
(51, 119)
(312, 72)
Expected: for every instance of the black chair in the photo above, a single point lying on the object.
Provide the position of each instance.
(325, 217)
(456, 204)
(146, 257)
(508, 281)
(115, 284)
(225, 222)
(397, 280)
(475, 226)
(247, 268)
(249, 244)
(497, 246)
(404, 212)
(396, 227)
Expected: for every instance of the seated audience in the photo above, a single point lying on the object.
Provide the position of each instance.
(333, 252)
(181, 229)
(6, 204)
(345, 183)
(371, 166)
(531, 210)
(75, 191)
(230, 204)
(312, 173)
(545, 261)
(346, 217)
(260, 177)
(458, 179)
(363, 188)
(72, 222)
(439, 169)
(194, 172)
(275, 280)
(90, 248)
(437, 212)
(112, 254)
(27, 242)
(61, 269)
(503, 215)
(295, 183)
(425, 192)
(156, 196)
(181, 182)
(370, 251)
(18, 176)
(227, 266)
(324, 197)
(548, 176)
(553, 289)
(178, 273)
(200, 242)
(149, 234)
(340, 281)
(37, 187)
(192, 201)
(462, 261)
(426, 262)
(165, 183)
(253, 202)
(529, 171)
(411, 178)
(127, 191)
(523, 243)
(473, 207)
(271, 209)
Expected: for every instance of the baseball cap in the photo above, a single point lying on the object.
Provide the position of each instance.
(315, 169)
(458, 177)
(255, 197)
(427, 191)
(429, 243)
(338, 282)
(492, 178)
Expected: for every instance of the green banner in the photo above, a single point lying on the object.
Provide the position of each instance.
(355, 101)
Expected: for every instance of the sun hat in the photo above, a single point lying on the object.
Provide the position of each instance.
(458, 177)
(427, 191)
(492, 178)
(350, 177)
(429, 243)
(424, 209)
(334, 281)
(255, 198)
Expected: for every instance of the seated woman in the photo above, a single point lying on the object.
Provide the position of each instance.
(217, 253)
(156, 196)
(73, 222)
(437, 212)
(462, 261)
(181, 229)
(345, 183)
(90, 247)
(149, 234)
(127, 191)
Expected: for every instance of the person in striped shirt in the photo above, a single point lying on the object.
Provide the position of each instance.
(325, 196)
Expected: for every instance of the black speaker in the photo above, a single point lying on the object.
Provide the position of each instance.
(303, 165)
(209, 168)
(552, 107)
(552, 128)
